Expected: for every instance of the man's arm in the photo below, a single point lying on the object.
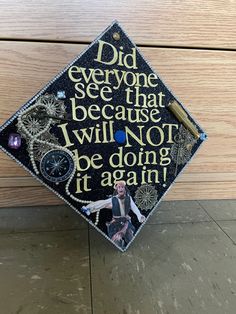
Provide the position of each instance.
(96, 206)
(135, 209)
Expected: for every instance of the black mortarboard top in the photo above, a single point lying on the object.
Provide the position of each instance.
(106, 135)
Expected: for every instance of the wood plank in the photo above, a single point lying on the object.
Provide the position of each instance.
(207, 177)
(12, 182)
(203, 80)
(202, 190)
(171, 23)
(28, 196)
(32, 196)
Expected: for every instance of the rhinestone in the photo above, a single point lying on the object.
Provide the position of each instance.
(14, 141)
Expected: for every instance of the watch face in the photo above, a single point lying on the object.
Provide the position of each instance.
(57, 165)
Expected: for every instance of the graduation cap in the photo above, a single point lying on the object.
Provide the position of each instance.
(106, 135)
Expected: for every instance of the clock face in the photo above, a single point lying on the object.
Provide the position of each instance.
(57, 165)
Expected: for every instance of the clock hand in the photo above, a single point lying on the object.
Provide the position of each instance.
(53, 169)
(60, 161)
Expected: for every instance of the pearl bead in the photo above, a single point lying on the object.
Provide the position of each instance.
(35, 139)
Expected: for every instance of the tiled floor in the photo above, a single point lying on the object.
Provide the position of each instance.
(183, 261)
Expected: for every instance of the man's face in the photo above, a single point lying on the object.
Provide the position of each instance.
(120, 190)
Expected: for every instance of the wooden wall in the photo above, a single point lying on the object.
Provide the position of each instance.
(191, 44)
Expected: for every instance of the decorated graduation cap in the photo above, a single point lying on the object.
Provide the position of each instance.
(106, 135)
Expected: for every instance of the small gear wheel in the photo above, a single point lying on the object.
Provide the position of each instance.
(180, 155)
(146, 197)
(32, 123)
(181, 150)
(54, 106)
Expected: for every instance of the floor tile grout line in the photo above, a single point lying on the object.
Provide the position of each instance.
(177, 223)
(148, 224)
(215, 221)
(70, 230)
(187, 222)
(41, 231)
(90, 270)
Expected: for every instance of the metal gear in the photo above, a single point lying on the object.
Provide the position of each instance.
(54, 106)
(146, 197)
(32, 123)
(180, 155)
(181, 150)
